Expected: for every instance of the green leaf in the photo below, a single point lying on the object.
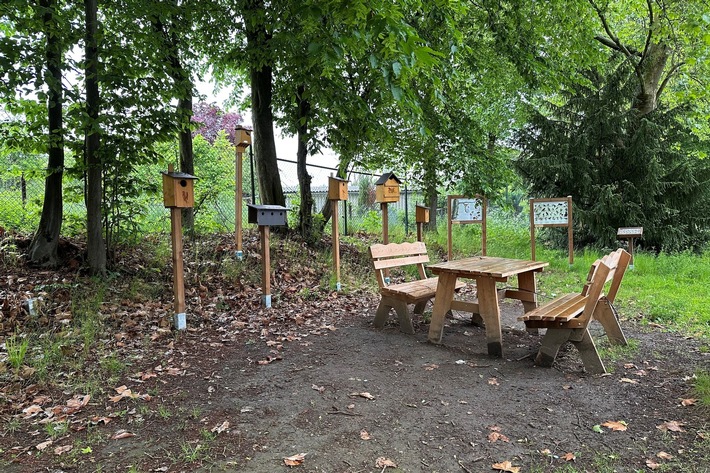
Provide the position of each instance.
(598, 428)
(397, 68)
(397, 92)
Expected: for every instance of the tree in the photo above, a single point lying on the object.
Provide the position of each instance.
(43, 248)
(621, 167)
(96, 247)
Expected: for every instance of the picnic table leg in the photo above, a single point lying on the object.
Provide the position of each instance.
(490, 312)
(528, 283)
(442, 305)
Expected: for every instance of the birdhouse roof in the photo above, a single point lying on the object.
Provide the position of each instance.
(336, 178)
(267, 207)
(423, 206)
(179, 175)
(386, 177)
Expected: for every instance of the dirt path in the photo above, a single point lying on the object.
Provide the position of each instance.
(353, 395)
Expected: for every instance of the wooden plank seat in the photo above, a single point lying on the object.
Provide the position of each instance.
(567, 317)
(398, 296)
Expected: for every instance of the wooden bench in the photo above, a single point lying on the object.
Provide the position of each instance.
(567, 317)
(398, 296)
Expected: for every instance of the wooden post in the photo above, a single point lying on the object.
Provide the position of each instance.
(179, 319)
(336, 244)
(449, 230)
(532, 230)
(265, 267)
(385, 235)
(238, 197)
(420, 230)
(570, 233)
(484, 225)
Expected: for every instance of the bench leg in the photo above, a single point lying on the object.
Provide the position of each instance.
(551, 343)
(606, 315)
(589, 354)
(383, 311)
(420, 306)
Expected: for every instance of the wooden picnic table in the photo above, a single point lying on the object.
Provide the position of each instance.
(487, 271)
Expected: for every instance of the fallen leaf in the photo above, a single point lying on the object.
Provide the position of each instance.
(506, 466)
(383, 463)
(688, 402)
(546, 452)
(43, 445)
(615, 425)
(220, 428)
(295, 460)
(495, 436)
(493, 381)
(366, 395)
(652, 464)
(320, 389)
(364, 435)
(430, 367)
(122, 434)
(673, 426)
(64, 449)
(569, 457)
(628, 380)
(664, 455)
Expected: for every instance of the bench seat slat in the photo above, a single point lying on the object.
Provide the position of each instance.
(396, 262)
(563, 308)
(414, 291)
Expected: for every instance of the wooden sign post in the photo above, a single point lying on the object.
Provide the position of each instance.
(422, 217)
(337, 191)
(629, 233)
(178, 193)
(464, 210)
(242, 138)
(386, 191)
(264, 216)
(555, 212)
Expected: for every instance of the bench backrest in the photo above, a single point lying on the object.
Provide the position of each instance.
(394, 255)
(609, 268)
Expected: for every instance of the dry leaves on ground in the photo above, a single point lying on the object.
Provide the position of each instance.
(616, 425)
(673, 426)
(295, 460)
(383, 463)
(506, 466)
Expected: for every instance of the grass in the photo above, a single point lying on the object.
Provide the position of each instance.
(16, 351)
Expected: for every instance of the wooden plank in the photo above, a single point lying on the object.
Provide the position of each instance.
(379, 250)
(559, 304)
(442, 304)
(178, 282)
(490, 313)
(265, 261)
(336, 242)
(397, 262)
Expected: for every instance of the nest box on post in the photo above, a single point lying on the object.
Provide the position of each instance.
(422, 214)
(387, 188)
(242, 138)
(178, 189)
(267, 215)
(337, 188)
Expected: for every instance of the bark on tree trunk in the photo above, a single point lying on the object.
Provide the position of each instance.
(95, 244)
(43, 248)
(187, 158)
(270, 190)
(650, 74)
(305, 214)
(430, 193)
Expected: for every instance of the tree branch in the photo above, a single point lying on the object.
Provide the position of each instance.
(650, 31)
(619, 45)
(673, 69)
(610, 44)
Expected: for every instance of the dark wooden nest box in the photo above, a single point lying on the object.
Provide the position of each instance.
(267, 215)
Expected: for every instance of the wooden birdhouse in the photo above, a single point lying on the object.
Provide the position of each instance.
(387, 188)
(242, 138)
(267, 215)
(422, 214)
(178, 189)
(337, 188)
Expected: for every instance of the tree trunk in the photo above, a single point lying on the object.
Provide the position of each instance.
(431, 195)
(187, 157)
(270, 190)
(95, 244)
(305, 214)
(650, 72)
(43, 248)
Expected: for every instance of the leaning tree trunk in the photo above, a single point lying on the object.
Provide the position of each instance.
(650, 72)
(305, 214)
(43, 248)
(270, 190)
(431, 195)
(96, 247)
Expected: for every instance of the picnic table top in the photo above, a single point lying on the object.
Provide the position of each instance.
(489, 266)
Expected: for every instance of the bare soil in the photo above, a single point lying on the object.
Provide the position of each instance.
(232, 395)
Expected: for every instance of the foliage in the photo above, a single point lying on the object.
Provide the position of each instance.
(621, 169)
(212, 120)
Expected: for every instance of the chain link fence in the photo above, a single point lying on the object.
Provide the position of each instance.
(22, 193)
